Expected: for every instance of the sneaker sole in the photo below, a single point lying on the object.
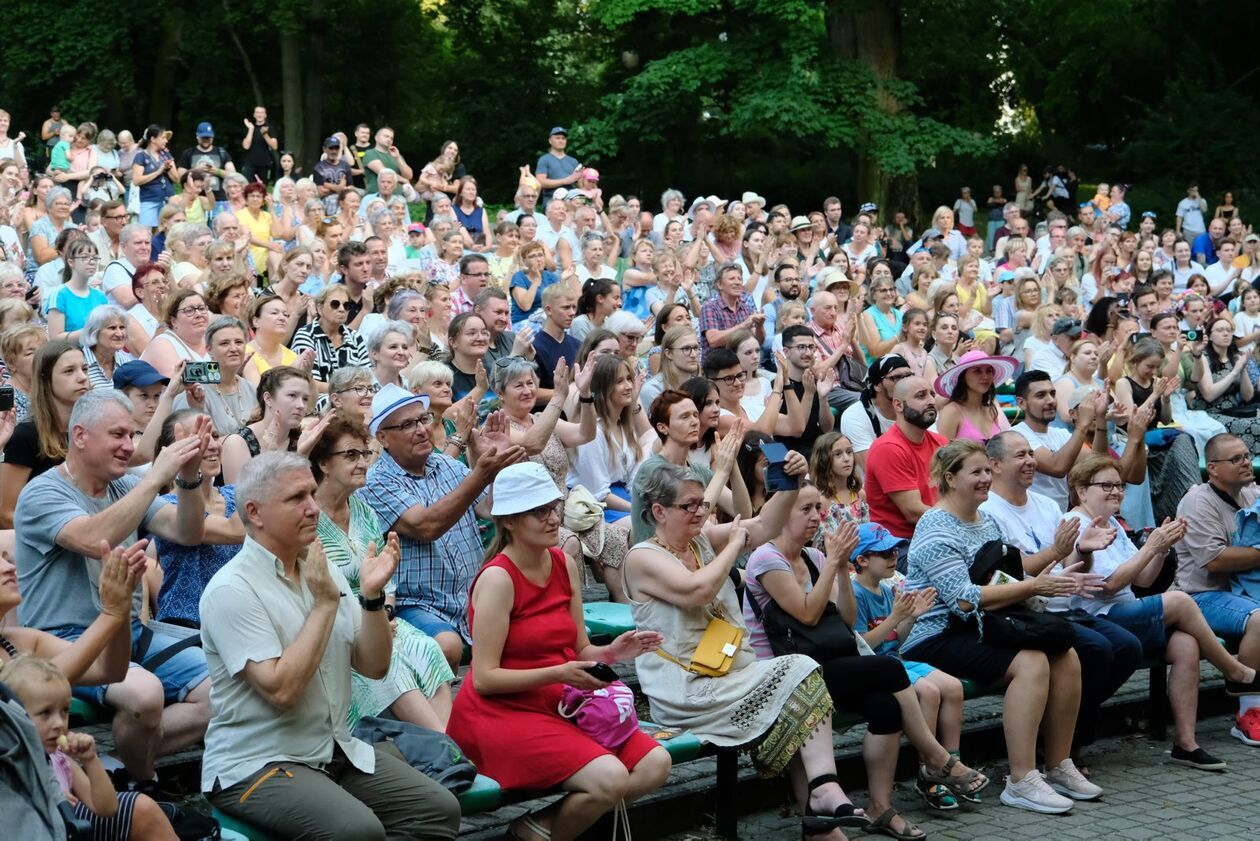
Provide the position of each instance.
(1242, 737)
(1215, 766)
(1032, 806)
(1073, 795)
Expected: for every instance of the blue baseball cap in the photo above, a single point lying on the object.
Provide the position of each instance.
(1005, 276)
(872, 537)
(137, 374)
(205, 130)
(1150, 214)
(332, 141)
(558, 130)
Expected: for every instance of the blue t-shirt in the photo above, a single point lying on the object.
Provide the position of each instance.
(77, 309)
(521, 281)
(547, 352)
(872, 609)
(553, 167)
(1203, 245)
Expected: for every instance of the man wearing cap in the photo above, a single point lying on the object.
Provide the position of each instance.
(331, 174)
(873, 414)
(898, 486)
(1053, 358)
(63, 519)
(1054, 448)
(1210, 560)
(206, 157)
(282, 632)
(555, 168)
(1190, 212)
(432, 501)
(1004, 304)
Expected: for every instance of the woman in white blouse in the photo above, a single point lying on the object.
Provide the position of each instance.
(607, 465)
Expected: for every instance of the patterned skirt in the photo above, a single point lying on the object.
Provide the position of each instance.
(417, 663)
(808, 707)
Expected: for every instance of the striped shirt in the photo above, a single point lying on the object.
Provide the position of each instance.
(436, 575)
(353, 350)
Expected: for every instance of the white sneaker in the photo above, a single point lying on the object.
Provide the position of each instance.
(1070, 782)
(1035, 795)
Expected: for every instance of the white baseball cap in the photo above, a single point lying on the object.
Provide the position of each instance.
(522, 487)
(390, 399)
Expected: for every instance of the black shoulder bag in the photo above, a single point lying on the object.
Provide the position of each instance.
(1015, 627)
(829, 638)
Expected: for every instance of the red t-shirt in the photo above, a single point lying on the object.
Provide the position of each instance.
(895, 463)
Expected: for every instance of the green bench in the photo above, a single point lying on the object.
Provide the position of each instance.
(85, 713)
(605, 621)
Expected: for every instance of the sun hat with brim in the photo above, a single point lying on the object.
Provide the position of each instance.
(1003, 369)
(390, 399)
(522, 487)
(833, 277)
(800, 223)
(750, 197)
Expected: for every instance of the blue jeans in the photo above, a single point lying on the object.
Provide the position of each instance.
(427, 621)
(1226, 613)
(180, 673)
(1144, 618)
(1109, 655)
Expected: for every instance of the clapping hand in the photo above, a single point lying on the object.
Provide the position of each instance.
(316, 575)
(493, 447)
(1065, 534)
(925, 600)
(633, 643)
(904, 603)
(1096, 536)
(726, 449)
(1167, 535)
(841, 543)
(1088, 584)
(311, 435)
(378, 567)
(560, 381)
(121, 568)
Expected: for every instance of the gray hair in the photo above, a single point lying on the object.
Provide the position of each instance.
(397, 199)
(221, 218)
(671, 194)
(282, 180)
(303, 183)
(223, 322)
(663, 484)
(106, 136)
(995, 448)
(314, 204)
(344, 378)
(623, 321)
(8, 270)
(130, 230)
(400, 299)
(57, 193)
(429, 371)
(386, 171)
(89, 410)
(234, 178)
(186, 232)
(508, 369)
(262, 477)
(374, 219)
(97, 320)
(436, 220)
(377, 339)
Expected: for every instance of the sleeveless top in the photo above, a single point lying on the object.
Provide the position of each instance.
(967, 429)
(888, 326)
(471, 222)
(182, 350)
(255, 448)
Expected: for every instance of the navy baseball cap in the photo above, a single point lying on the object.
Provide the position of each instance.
(872, 537)
(558, 130)
(332, 142)
(205, 130)
(137, 374)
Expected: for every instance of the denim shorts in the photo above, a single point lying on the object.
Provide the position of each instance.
(916, 671)
(427, 621)
(1226, 613)
(183, 672)
(1144, 618)
(149, 212)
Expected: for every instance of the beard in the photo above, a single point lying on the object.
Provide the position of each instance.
(923, 419)
(791, 293)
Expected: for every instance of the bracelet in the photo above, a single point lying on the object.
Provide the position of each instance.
(372, 605)
(390, 612)
(582, 399)
(189, 486)
(458, 440)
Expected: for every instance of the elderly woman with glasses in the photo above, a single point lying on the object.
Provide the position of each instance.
(680, 583)
(417, 687)
(350, 392)
(104, 337)
(529, 644)
(332, 344)
(1169, 625)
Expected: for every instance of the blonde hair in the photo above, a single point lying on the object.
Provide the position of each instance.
(26, 670)
(948, 460)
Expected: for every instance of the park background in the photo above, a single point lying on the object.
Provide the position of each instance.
(897, 101)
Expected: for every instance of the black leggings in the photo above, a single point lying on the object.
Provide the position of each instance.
(864, 686)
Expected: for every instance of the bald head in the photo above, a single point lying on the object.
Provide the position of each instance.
(914, 403)
(910, 386)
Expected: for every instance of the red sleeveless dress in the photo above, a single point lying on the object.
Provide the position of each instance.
(519, 739)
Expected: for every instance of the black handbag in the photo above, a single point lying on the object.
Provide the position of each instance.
(1015, 627)
(829, 638)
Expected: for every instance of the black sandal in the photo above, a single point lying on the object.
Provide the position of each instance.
(846, 815)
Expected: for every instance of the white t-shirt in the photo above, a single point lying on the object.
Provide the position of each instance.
(1053, 439)
(1029, 527)
(1217, 276)
(1245, 325)
(966, 212)
(856, 426)
(1190, 211)
(1105, 563)
(1049, 359)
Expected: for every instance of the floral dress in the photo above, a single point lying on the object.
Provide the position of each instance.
(854, 511)
(417, 661)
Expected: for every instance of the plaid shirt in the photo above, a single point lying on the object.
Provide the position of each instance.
(716, 315)
(460, 302)
(353, 350)
(433, 575)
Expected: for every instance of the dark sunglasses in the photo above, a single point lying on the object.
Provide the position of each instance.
(336, 305)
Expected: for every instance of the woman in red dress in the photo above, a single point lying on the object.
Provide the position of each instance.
(529, 640)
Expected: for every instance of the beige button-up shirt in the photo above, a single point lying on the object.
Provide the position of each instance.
(251, 610)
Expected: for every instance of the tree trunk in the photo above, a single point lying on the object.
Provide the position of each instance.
(294, 124)
(312, 140)
(164, 73)
(245, 62)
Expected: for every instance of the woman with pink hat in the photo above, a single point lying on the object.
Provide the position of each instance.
(970, 386)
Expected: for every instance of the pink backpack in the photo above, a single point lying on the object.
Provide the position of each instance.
(606, 715)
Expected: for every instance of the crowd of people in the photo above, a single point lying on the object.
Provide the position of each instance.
(283, 450)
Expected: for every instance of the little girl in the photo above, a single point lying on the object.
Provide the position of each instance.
(833, 468)
(45, 693)
(914, 333)
(790, 314)
(1247, 321)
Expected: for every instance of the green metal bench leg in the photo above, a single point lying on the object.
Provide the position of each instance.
(1158, 727)
(726, 818)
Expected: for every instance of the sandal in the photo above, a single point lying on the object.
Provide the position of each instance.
(967, 786)
(883, 825)
(844, 815)
(937, 796)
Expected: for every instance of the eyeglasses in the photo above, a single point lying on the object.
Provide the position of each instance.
(803, 348)
(731, 379)
(476, 274)
(361, 390)
(89, 258)
(412, 424)
(1108, 487)
(116, 218)
(1237, 460)
(703, 506)
(336, 304)
(200, 309)
(354, 455)
(634, 337)
(690, 350)
(546, 512)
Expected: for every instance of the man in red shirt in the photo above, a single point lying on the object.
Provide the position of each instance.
(897, 485)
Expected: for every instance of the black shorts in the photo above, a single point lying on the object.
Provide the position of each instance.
(962, 655)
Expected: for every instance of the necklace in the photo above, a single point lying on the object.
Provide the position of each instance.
(232, 401)
(690, 547)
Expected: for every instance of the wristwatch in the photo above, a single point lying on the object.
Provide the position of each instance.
(582, 399)
(372, 605)
(189, 486)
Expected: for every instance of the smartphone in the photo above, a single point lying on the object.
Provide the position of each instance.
(602, 671)
(776, 478)
(202, 373)
(6, 398)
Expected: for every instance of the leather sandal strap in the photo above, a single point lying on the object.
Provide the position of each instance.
(822, 780)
